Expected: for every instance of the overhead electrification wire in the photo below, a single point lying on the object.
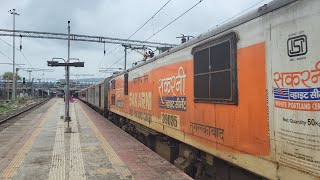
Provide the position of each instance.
(26, 59)
(149, 19)
(174, 20)
(6, 56)
(119, 59)
(19, 51)
(137, 30)
(236, 15)
(2, 52)
(210, 29)
(7, 43)
(162, 28)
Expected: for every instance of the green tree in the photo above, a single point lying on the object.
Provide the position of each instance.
(8, 75)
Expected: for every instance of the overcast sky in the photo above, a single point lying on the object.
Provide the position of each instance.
(110, 18)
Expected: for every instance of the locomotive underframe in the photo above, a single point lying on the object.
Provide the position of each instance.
(194, 162)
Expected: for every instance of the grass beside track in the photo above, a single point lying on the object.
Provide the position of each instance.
(10, 107)
(6, 107)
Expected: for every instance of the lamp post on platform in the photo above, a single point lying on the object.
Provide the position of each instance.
(67, 64)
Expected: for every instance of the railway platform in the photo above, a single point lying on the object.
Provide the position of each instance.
(37, 147)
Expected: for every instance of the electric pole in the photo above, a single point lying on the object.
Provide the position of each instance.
(67, 93)
(14, 13)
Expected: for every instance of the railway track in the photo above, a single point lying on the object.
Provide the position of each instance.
(24, 110)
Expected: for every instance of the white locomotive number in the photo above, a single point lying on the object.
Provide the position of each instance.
(170, 120)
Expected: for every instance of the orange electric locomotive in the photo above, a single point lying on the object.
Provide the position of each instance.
(239, 102)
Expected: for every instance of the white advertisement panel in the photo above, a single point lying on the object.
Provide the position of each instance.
(296, 92)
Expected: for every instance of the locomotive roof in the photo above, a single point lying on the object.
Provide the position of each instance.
(267, 8)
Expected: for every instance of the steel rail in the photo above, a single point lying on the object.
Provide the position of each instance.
(23, 111)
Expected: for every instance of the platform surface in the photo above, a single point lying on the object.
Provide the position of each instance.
(37, 147)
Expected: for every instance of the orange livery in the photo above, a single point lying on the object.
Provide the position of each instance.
(238, 102)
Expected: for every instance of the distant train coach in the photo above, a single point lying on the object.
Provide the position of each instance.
(241, 101)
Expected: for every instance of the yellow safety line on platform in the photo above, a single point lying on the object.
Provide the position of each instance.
(14, 165)
(77, 171)
(58, 165)
(116, 162)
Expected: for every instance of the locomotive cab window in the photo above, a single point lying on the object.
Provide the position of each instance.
(126, 84)
(215, 71)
